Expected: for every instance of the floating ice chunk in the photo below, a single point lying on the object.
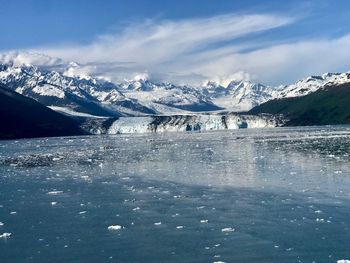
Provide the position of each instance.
(343, 261)
(136, 208)
(219, 262)
(227, 229)
(1, 223)
(114, 227)
(203, 221)
(5, 235)
(82, 212)
(53, 203)
(54, 192)
(126, 178)
(157, 223)
(179, 227)
(13, 213)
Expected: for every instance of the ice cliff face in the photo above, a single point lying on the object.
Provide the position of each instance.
(190, 123)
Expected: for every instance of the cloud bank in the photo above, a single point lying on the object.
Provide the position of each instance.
(219, 48)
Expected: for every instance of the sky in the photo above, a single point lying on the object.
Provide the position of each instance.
(183, 41)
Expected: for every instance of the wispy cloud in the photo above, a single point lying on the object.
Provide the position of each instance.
(194, 50)
(167, 49)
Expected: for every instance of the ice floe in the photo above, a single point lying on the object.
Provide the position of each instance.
(227, 229)
(54, 192)
(115, 227)
(5, 235)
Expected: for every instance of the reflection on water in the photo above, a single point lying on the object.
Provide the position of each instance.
(270, 195)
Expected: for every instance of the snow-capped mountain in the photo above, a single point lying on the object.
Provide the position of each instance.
(238, 95)
(102, 98)
(86, 96)
(166, 97)
(311, 84)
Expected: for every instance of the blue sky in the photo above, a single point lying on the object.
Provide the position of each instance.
(274, 42)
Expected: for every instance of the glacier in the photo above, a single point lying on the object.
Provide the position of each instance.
(191, 123)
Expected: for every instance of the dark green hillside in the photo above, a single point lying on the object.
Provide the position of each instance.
(330, 105)
(22, 117)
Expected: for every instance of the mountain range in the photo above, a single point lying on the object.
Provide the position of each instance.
(90, 100)
(141, 97)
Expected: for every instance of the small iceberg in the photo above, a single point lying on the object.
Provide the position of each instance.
(5, 235)
(114, 227)
(227, 229)
(54, 192)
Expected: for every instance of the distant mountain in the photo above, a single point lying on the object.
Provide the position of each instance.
(130, 98)
(238, 95)
(329, 104)
(51, 88)
(311, 84)
(96, 97)
(22, 117)
(165, 98)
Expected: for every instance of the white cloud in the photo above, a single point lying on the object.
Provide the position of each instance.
(163, 48)
(282, 64)
(194, 50)
(29, 58)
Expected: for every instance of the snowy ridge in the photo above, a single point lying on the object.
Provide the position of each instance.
(159, 96)
(239, 95)
(311, 84)
(83, 95)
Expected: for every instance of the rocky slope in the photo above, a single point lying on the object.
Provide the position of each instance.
(22, 117)
(327, 105)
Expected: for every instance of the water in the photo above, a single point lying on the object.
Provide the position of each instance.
(269, 195)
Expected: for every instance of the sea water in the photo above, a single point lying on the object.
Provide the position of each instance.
(253, 195)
